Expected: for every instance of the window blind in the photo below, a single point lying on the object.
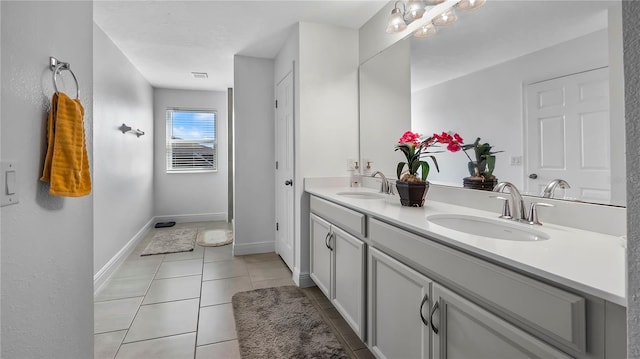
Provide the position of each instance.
(191, 140)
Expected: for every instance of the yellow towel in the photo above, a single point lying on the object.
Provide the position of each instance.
(66, 165)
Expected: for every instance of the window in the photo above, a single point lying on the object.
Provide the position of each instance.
(191, 141)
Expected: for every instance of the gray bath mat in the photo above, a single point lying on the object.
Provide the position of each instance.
(171, 241)
(281, 322)
(214, 237)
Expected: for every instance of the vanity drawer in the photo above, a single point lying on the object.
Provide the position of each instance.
(548, 310)
(345, 218)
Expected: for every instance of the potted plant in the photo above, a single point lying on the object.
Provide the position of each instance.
(411, 187)
(481, 169)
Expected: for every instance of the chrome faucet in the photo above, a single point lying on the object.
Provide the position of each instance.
(515, 199)
(548, 191)
(384, 188)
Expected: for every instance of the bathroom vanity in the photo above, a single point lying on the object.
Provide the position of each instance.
(413, 285)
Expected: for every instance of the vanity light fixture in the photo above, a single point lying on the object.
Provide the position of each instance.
(446, 18)
(405, 13)
(470, 4)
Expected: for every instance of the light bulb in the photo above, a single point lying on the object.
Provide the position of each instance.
(425, 31)
(396, 22)
(470, 4)
(446, 18)
(415, 9)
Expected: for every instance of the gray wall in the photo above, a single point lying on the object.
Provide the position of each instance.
(254, 155)
(123, 163)
(47, 242)
(190, 196)
(631, 26)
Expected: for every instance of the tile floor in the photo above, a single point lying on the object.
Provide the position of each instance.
(179, 305)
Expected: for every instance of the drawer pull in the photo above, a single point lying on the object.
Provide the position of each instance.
(424, 300)
(433, 310)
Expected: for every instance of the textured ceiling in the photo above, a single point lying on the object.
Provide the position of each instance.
(167, 40)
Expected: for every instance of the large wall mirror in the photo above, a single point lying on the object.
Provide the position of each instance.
(541, 81)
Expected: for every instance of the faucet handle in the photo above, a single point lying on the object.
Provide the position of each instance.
(506, 209)
(533, 212)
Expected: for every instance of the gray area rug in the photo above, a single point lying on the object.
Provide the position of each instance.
(171, 241)
(281, 322)
(214, 237)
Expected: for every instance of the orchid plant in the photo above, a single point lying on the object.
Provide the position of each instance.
(415, 151)
(485, 161)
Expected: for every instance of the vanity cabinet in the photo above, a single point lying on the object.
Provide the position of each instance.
(398, 302)
(411, 316)
(462, 329)
(337, 264)
(426, 299)
(320, 256)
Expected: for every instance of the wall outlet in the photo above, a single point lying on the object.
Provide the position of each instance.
(516, 160)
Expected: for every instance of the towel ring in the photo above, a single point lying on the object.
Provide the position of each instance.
(64, 66)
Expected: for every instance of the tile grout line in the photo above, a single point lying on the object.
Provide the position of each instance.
(195, 343)
(139, 306)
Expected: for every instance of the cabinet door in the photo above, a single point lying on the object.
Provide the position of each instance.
(398, 309)
(464, 330)
(348, 278)
(320, 256)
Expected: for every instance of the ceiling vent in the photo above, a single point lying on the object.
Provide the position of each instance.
(200, 75)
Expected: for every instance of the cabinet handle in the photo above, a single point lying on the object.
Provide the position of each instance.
(326, 240)
(331, 236)
(433, 310)
(424, 300)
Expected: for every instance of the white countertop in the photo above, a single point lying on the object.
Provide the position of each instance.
(590, 262)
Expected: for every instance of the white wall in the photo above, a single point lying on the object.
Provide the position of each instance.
(254, 156)
(488, 104)
(327, 120)
(328, 99)
(123, 163)
(631, 26)
(47, 246)
(190, 196)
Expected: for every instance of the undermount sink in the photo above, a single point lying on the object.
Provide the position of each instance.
(479, 226)
(361, 195)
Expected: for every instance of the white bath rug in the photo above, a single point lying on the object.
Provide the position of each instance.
(214, 237)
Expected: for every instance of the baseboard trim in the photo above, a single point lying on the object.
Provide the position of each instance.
(303, 280)
(242, 249)
(100, 278)
(202, 217)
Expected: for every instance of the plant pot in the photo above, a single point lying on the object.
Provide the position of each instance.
(479, 183)
(412, 194)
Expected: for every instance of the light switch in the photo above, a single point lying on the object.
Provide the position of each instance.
(9, 190)
(11, 182)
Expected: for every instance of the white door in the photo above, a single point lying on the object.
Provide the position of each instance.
(284, 170)
(568, 135)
